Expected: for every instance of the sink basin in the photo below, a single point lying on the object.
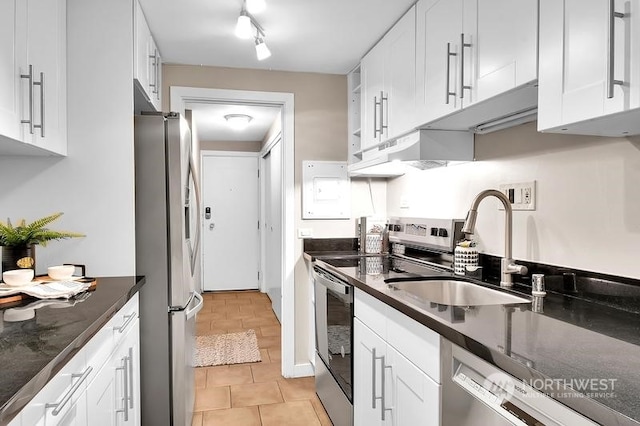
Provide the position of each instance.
(456, 293)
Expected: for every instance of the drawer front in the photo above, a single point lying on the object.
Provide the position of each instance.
(372, 312)
(52, 404)
(414, 341)
(102, 344)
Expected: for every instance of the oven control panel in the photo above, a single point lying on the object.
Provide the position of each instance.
(435, 234)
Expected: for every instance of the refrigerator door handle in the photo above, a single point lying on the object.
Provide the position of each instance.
(193, 311)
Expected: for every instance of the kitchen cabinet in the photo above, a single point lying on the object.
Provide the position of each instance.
(387, 76)
(589, 67)
(471, 52)
(114, 394)
(94, 385)
(33, 107)
(147, 63)
(396, 367)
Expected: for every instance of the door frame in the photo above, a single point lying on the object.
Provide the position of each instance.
(179, 96)
(256, 155)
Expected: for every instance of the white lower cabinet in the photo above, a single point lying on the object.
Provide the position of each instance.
(389, 389)
(113, 397)
(100, 385)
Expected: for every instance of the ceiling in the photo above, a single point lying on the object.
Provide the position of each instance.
(212, 126)
(322, 36)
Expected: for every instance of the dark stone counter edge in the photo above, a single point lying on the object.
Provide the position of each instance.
(588, 407)
(14, 405)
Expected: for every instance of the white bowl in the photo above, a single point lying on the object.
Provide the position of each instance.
(17, 277)
(61, 272)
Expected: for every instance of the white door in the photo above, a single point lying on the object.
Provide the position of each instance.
(273, 227)
(230, 236)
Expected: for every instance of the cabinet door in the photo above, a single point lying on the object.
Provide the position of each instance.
(143, 57)
(399, 77)
(12, 54)
(372, 75)
(369, 351)
(129, 356)
(575, 57)
(414, 397)
(439, 25)
(155, 71)
(101, 395)
(502, 52)
(46, 47)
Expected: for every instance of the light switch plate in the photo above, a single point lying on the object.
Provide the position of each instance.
(522, 195)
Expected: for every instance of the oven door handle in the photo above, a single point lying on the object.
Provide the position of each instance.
(334, 285)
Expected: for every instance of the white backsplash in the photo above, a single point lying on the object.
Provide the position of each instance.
(588, 197)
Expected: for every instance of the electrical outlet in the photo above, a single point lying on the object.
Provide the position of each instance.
(522, 195)
(404, 202)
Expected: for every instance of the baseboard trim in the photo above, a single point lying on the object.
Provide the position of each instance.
(303, 370)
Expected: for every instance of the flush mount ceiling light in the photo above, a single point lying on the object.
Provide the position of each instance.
(248, 27)
(238, 121)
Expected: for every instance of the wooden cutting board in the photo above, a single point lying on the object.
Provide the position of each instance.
(21, 296)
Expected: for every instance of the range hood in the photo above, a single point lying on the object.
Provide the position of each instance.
(423, 149)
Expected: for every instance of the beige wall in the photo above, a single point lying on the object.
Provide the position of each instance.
(587, 206)
(230, 146)
(320, 134)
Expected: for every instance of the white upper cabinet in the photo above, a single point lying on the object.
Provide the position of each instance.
(471, 51)
(388, 84)
(589, 67)
(147, 63)
(33, 105)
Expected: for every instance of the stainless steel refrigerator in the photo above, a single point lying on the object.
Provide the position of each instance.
(167, 248)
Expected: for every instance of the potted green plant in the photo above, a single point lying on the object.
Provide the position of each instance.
(18, 242)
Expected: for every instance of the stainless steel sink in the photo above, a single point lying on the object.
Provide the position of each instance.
(456, 293)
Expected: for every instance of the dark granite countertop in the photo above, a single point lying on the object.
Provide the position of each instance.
(572, 340)
(32, 351)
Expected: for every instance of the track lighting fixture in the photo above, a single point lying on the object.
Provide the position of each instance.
(248, 27)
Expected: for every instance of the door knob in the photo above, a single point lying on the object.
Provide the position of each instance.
(211, 226)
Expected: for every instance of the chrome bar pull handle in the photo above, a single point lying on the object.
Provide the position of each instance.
(41, 84)
(448, 91)
(462, 85)
(127, 320)
(153, 73)
(373, 378)
(130, 358)
(611, 42)
(157, 62)
(383, 99)
(58, 406)
(29, 78)
(125, 386)
(375, 116)
(384, 408)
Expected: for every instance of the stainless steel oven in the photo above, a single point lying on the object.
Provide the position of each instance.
(334, 344)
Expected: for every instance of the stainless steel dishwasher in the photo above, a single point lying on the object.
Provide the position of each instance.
(475, 393)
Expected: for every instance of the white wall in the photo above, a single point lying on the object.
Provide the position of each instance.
(93, 185)
(588, 197)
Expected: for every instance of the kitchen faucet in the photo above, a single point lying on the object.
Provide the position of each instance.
(507, 265)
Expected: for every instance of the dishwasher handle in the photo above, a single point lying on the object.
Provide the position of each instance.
(330, 282)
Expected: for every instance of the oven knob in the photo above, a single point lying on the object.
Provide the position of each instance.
(442, 232)
(434, 232)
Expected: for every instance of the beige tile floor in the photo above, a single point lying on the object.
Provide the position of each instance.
(254, 393)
